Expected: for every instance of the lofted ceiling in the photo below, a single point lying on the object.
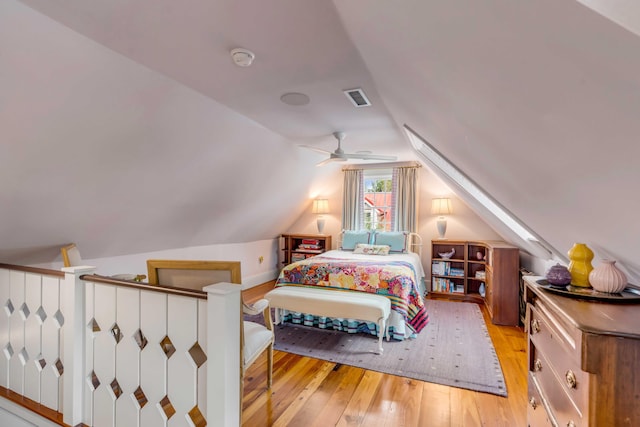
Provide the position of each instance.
(127, 127)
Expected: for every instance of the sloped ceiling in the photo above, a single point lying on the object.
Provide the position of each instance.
(537, 102)
(127, 127)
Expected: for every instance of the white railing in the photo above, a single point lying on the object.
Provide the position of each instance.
(109, 353)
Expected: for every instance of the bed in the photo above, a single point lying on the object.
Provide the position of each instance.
(385, 263)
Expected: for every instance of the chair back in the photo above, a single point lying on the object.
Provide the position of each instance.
(71, 255)
(192, 274)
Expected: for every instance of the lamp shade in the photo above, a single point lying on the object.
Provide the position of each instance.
(320, 206)
(441, 206)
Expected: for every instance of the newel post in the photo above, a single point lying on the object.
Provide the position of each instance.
(73, 309)
(224, 403)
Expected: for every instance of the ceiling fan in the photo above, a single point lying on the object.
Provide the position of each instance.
(340, 156)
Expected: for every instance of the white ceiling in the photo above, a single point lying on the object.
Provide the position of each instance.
(126, 122)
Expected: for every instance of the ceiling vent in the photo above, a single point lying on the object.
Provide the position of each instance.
(357, 97)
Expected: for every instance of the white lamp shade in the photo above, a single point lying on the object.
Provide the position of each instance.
(441, 206)
(320, 206)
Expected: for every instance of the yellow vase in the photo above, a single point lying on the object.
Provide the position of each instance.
(580, 265)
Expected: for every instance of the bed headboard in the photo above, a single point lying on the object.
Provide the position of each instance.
(415, 243)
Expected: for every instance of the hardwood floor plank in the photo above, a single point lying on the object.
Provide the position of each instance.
(400, 401)
(342, 384)
(464, 408)
(293, 374)
(303, 397)
(359, 406)
(434, 406)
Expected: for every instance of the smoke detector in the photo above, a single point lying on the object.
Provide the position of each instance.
(242, 57)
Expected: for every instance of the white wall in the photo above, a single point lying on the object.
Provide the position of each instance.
(254, 272)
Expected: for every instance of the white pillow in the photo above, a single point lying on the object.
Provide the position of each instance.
(362, 248)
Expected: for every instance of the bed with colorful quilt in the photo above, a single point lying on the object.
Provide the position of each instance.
(381, 264)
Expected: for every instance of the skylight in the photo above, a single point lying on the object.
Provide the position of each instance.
(439, 161)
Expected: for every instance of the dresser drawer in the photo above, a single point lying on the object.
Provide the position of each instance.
(555, 393)
(559, 347)
(537, 414)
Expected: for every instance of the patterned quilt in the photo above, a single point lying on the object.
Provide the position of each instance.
(393, 279)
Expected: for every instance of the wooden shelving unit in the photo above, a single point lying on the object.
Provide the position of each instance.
(292, 246)
(479, 271)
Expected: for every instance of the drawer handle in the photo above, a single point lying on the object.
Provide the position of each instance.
(572, 381)
(537, 365)
(533, 402)
(535, 326)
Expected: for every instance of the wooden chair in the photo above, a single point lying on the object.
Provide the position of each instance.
(71, 258)
(71, 255)
(254, 337)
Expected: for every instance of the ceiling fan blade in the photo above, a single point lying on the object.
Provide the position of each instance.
(365, 156)
(319, 150)
(325, 161)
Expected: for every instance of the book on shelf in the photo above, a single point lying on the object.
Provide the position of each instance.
(309, 251)
(440, 284)
(310, 241)
(440, 268)
(458, 272)
(297, 257)
(308, 246)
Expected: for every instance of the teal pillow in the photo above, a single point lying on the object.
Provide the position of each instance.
(350, 238)
(396, 240)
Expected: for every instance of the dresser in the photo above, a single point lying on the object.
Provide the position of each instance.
(584, 360)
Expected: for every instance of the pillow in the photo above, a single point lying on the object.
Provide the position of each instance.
(396, 240)
(351, 238)
(362, 248)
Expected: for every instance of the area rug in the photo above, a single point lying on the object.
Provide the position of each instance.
(454, 349)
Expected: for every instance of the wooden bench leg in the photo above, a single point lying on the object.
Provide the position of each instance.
(381, 332)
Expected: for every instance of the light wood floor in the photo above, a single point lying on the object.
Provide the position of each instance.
(309, 392)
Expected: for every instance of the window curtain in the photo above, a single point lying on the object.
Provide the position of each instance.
(352, 209)
(405, 199)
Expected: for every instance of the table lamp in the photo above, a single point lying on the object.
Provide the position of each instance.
(320, 207)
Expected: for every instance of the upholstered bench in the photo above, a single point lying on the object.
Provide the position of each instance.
(332, 303)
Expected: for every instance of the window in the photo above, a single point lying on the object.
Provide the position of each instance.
(380, 197)
(377, 201)
(447, 168)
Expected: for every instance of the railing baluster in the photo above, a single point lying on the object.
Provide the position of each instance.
(72, 308)
(223, 352)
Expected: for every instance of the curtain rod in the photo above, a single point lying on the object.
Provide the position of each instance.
(384, 166)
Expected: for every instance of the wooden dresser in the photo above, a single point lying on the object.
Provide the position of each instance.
(584, 360)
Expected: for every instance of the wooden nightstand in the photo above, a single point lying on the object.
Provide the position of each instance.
(296, 247)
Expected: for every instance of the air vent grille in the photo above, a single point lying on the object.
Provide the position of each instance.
(357, 97)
